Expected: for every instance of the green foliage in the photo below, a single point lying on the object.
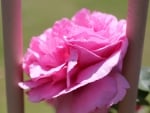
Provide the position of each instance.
(144, 88)
(144, 82)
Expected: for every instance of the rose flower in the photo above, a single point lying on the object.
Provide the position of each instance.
(77, 64)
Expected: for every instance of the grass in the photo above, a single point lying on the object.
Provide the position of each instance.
(39, 15)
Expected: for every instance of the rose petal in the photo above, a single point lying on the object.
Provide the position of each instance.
(122, 86)
(93, 73)
(91, 58)
(72, 62)
(36, 72)
(45, 91)
(97, 95)
(28, 85)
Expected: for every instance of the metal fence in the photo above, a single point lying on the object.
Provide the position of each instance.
(12, 34)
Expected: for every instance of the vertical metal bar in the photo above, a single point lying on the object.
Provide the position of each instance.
(12, 33)
(136, 22)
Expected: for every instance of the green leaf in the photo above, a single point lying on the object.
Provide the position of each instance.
(141, 100)
(144, 81)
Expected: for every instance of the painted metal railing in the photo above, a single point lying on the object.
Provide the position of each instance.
(12, 37)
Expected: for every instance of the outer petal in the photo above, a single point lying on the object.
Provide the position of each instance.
(45, 91)
(28, 85)
(36, 72)
(82, 18)
(122, 86)
(95, 96)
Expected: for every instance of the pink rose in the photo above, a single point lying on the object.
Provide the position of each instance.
(76, 65)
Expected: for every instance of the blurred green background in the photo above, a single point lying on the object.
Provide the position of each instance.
(41, 14)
